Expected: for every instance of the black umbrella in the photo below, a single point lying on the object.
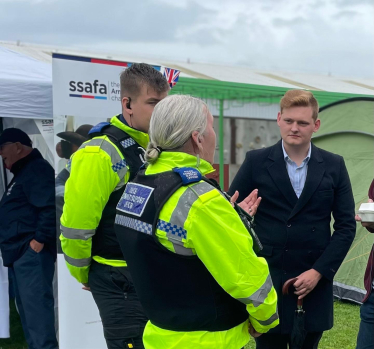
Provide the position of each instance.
(298, 330)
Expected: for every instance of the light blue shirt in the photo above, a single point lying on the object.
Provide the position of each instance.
(296, 173)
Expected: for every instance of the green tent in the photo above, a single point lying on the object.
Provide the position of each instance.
(347, 128)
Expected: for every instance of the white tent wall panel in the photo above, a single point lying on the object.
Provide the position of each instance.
(25, 99)
(25, 86)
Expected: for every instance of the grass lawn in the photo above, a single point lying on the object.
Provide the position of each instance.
(342, 336)
(344, 333)
(17, 339)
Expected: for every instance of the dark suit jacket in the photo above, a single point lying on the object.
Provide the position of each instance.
(296, 232)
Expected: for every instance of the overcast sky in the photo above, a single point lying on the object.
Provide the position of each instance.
(312, 36)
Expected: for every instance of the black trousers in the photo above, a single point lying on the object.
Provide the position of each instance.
(120, 309)
(33, 275)
(282, 341)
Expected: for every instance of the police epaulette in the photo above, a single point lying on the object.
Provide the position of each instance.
(188, 174)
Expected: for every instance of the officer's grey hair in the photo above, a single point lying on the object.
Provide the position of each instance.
(172, 123)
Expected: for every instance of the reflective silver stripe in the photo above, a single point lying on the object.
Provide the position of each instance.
(111, 150)
(268, 321)
(186, 200)
(180, 249)
(180, 214)
(77, 234)
(201, 188)
(82, 262)
(260, 295)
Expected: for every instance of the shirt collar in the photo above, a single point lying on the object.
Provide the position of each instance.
(287, 158)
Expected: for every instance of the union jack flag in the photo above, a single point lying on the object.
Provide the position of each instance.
(172, 76)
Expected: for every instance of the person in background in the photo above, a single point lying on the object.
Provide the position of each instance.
(365, 338)
(301, 186)
(70, 143)
(28, 235)
(190, 255)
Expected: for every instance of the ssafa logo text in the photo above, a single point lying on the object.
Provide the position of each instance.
(94, 90)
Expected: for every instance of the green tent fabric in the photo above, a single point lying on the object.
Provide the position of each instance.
(347, 129)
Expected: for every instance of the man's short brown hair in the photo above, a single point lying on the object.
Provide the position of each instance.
(132, 79)
(299, 98)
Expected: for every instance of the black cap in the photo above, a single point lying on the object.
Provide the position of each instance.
(78, 137)
(13, 135)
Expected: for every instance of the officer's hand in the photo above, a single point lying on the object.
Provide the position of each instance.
(250, 203)
(253, 332)
(86, 286)
(306, 282)
(365, 224)
(36, 246)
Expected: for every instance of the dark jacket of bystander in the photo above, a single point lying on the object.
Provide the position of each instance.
(27, 208)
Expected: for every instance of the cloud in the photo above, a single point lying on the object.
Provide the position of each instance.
(311, 36)
(346, 15)
(280, 22)
(353, 2)
(69, 21)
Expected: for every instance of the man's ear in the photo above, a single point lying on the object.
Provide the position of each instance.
(18, 147)
(126, 107)
(317, 125)
(279, 117)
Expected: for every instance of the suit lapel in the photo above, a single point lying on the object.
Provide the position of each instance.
(278, 172)
(316, 170)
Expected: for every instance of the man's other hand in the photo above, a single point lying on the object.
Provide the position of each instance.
(250, 203)
(253, 332)
(306, 282)
(36, 246)
(365, 224)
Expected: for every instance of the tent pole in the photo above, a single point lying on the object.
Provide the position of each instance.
(221, 159)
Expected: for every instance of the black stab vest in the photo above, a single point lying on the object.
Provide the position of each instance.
(177, 292)
(104, 242)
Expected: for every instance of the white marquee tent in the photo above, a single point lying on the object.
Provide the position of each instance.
(25, 86)
(26, 95)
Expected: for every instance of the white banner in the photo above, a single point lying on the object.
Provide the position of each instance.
(86, 87)
(85, 92)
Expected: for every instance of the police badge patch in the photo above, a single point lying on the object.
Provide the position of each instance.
(134, 199)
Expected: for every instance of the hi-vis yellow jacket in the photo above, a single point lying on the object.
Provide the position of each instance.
(97, 170)
(217, 236)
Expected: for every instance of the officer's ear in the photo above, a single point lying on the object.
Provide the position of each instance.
(197, 142)
(126, 105)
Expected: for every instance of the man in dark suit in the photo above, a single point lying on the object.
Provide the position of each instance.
(300, 185)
